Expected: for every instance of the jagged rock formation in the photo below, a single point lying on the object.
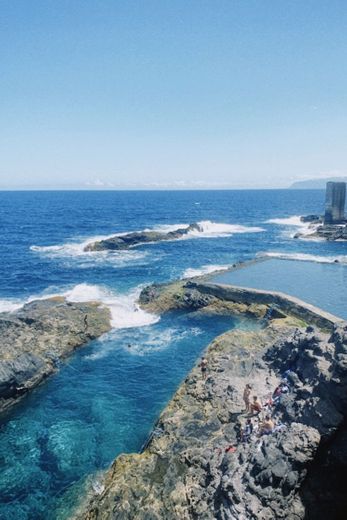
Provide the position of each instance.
(117, 243)
(188, 472)
(36, 337)
(330, 232)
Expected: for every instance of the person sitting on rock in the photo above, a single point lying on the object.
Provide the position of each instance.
(266, 426)
(282, 388)
(246, 395)
(203, 366)
(256, 406)
(247, 431)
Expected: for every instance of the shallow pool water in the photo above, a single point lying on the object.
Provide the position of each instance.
(321, 284)
(102, 402)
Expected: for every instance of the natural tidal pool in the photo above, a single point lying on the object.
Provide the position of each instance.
(321, 284)
(102, 402)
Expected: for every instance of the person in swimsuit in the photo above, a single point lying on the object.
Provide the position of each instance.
(246, 395)
(256, 406)
(203, 366)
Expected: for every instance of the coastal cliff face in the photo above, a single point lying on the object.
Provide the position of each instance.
(118, 243)
(36, 337)
(195, 465)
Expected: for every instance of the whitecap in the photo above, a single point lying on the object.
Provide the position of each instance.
(305, 228)
(293, 221)
(76, 253)
(208, 229)
(76, 250)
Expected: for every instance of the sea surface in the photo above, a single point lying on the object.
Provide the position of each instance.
(107, 397)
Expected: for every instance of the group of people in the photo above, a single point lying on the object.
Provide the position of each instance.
(254, 407)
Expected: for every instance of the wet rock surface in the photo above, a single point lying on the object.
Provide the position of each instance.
(35, 338)
(117, 243)
(195, 465)
(329, 232)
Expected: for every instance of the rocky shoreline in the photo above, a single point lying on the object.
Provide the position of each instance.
(35, 338)
(195, 466)
(323, 231)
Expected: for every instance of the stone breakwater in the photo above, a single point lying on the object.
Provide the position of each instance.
(195, 465)
(117, 243)
(35, 338)
(241, 301)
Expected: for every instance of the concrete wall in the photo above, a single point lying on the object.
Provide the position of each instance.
(287, 304)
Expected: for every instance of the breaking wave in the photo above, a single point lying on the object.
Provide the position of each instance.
(306, 228)
(125, 313)
(214, 229)
(9, 305)
(204, 269)
(75, 251)
(303, 257)
(288, 221)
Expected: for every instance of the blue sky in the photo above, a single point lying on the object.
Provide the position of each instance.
(190, 93)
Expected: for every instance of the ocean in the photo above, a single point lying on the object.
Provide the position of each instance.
(107, 397)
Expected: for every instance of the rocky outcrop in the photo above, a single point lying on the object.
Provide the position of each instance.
(35, 338)
(117, 242)
(330, 232)
(195, 465)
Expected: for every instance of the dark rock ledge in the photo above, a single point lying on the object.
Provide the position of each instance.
(35, 338)
(117, 243)
(186, 472)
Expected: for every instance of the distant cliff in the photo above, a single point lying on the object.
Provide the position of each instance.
(315, 184)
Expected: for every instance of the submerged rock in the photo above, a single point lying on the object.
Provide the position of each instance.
(34, 339)
(117, 243)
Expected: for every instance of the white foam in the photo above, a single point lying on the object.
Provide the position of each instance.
(75, 250)
(125, 313)
(293, 221)
(305, 228)
(204, 269)
(215, 229)
(8, 305)
(303, 257)
(142, 342)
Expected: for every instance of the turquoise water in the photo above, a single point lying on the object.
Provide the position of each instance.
(103, 402)
(107, 397)
(322, 284)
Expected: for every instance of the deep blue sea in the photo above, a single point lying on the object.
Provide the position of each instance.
(107, 397)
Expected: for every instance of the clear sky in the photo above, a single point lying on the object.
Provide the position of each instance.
(185, 93)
